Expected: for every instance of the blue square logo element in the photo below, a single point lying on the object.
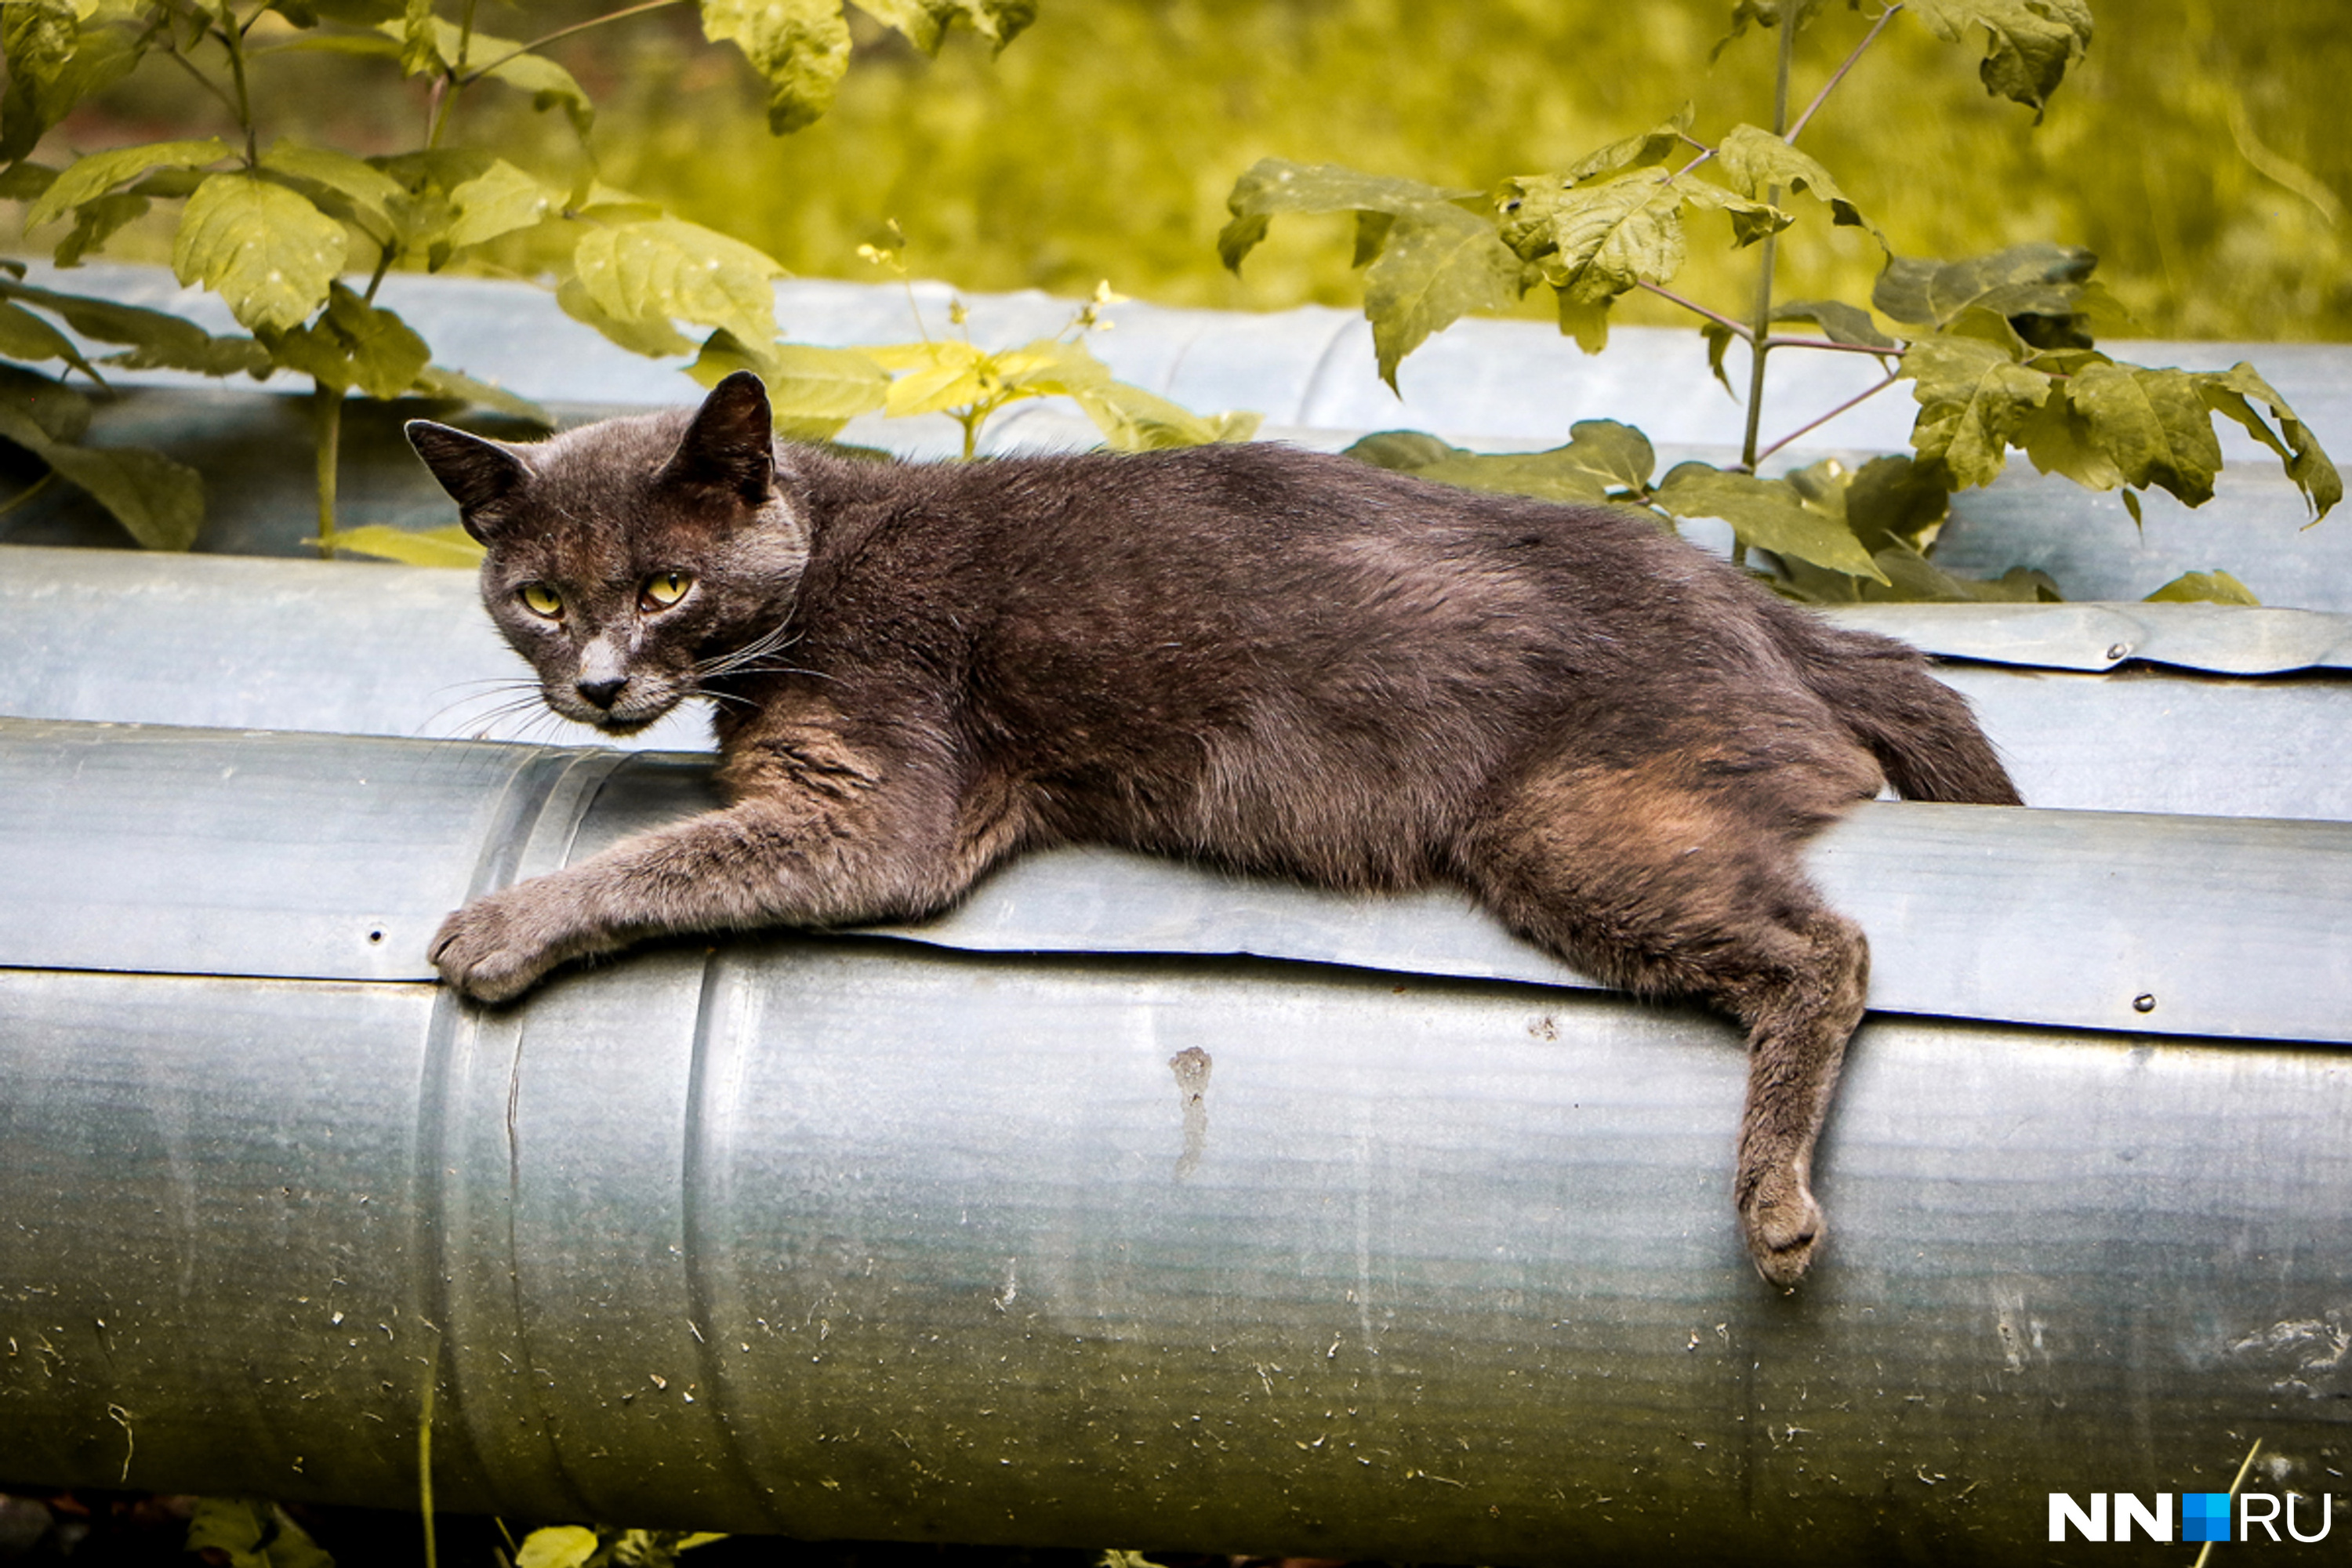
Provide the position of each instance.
(2204, 1516)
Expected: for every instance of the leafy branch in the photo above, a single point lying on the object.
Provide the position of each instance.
(2000, 348)
(275, 228)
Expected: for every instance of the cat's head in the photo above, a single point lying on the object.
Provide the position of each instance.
(629, 558)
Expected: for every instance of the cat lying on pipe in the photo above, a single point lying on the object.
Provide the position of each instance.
(1278, 660)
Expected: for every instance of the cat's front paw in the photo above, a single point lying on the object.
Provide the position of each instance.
(499, 946)
(1783, 1224)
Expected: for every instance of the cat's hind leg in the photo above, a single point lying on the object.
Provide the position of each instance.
(1665, 881)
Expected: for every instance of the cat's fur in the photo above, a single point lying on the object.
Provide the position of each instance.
(1276, 660)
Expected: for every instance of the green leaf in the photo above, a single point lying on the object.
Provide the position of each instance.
(412, 547)
(1440, 264)
(1587, 324)
(25, 336)
(1273, 185)
(95, 222)
(1840, 323)
(1719, 338)
(1594, 242)
(2203, 587)
(498, 201)
(88, 178)
(1912, 578)
(924, 22)
(253, 1535)
(1756, 160)
(426, 216)
(355, 345)
(56, 59)
(24, 181)
(938, 377)
(1896, 501)
(549, 84)
(428, 43)
(160, 502)
(667, 269)
(2152, 425)
(800, 48)
(1752, 220)
(371, 192)
(1602, 459)
(813, 392)
(1766, 514)
(1406, 451)
(1134, 420)
(1764, 14)
(57, 410)
(2037, 280)
(2029, 43)
(559, 1546)
(158, 340)
(655, 339)
(456, 386)
(1651, 147)
(266, 252)
(2228, 392)
(1973, 399)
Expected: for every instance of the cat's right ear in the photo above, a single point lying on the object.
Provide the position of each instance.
(730, 444)
(479, 475)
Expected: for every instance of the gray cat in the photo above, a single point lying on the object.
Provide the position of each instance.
(1272, 659)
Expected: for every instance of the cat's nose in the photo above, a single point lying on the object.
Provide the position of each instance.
(600, 693)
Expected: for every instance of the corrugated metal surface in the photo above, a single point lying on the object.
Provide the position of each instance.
(846, 1238)
(334, 858)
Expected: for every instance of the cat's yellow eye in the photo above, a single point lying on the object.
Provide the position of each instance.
(540, 600)
(664, 589)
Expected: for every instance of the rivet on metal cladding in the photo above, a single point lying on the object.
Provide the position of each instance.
(2144, 1003)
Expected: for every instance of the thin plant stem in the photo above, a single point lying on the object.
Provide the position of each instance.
(1760, 334)
(28, 492)
(1839, 74)
(375, 278)
(1811, 425)
(479, 72)
(1739, 328)
(1827, 346)
(2234, 1485)
(325, 436)
(207, 83)
(234, 41)
(424, 1455)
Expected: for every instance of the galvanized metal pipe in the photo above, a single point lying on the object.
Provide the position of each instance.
(2220, 712)
(880, 1237)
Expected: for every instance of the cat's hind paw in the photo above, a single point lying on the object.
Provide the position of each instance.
(1783, 1224)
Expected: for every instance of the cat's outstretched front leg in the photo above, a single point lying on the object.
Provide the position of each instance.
(821, 843)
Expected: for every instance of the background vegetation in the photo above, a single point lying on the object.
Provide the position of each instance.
(2199, 149)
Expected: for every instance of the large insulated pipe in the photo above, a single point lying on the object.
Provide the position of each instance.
(1064, 1220)
(2215, 711)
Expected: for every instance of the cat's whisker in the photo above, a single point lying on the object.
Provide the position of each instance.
(527, 692)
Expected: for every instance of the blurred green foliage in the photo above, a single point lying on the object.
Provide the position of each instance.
(2199, 149)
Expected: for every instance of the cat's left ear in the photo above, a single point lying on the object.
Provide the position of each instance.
(730, 446)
